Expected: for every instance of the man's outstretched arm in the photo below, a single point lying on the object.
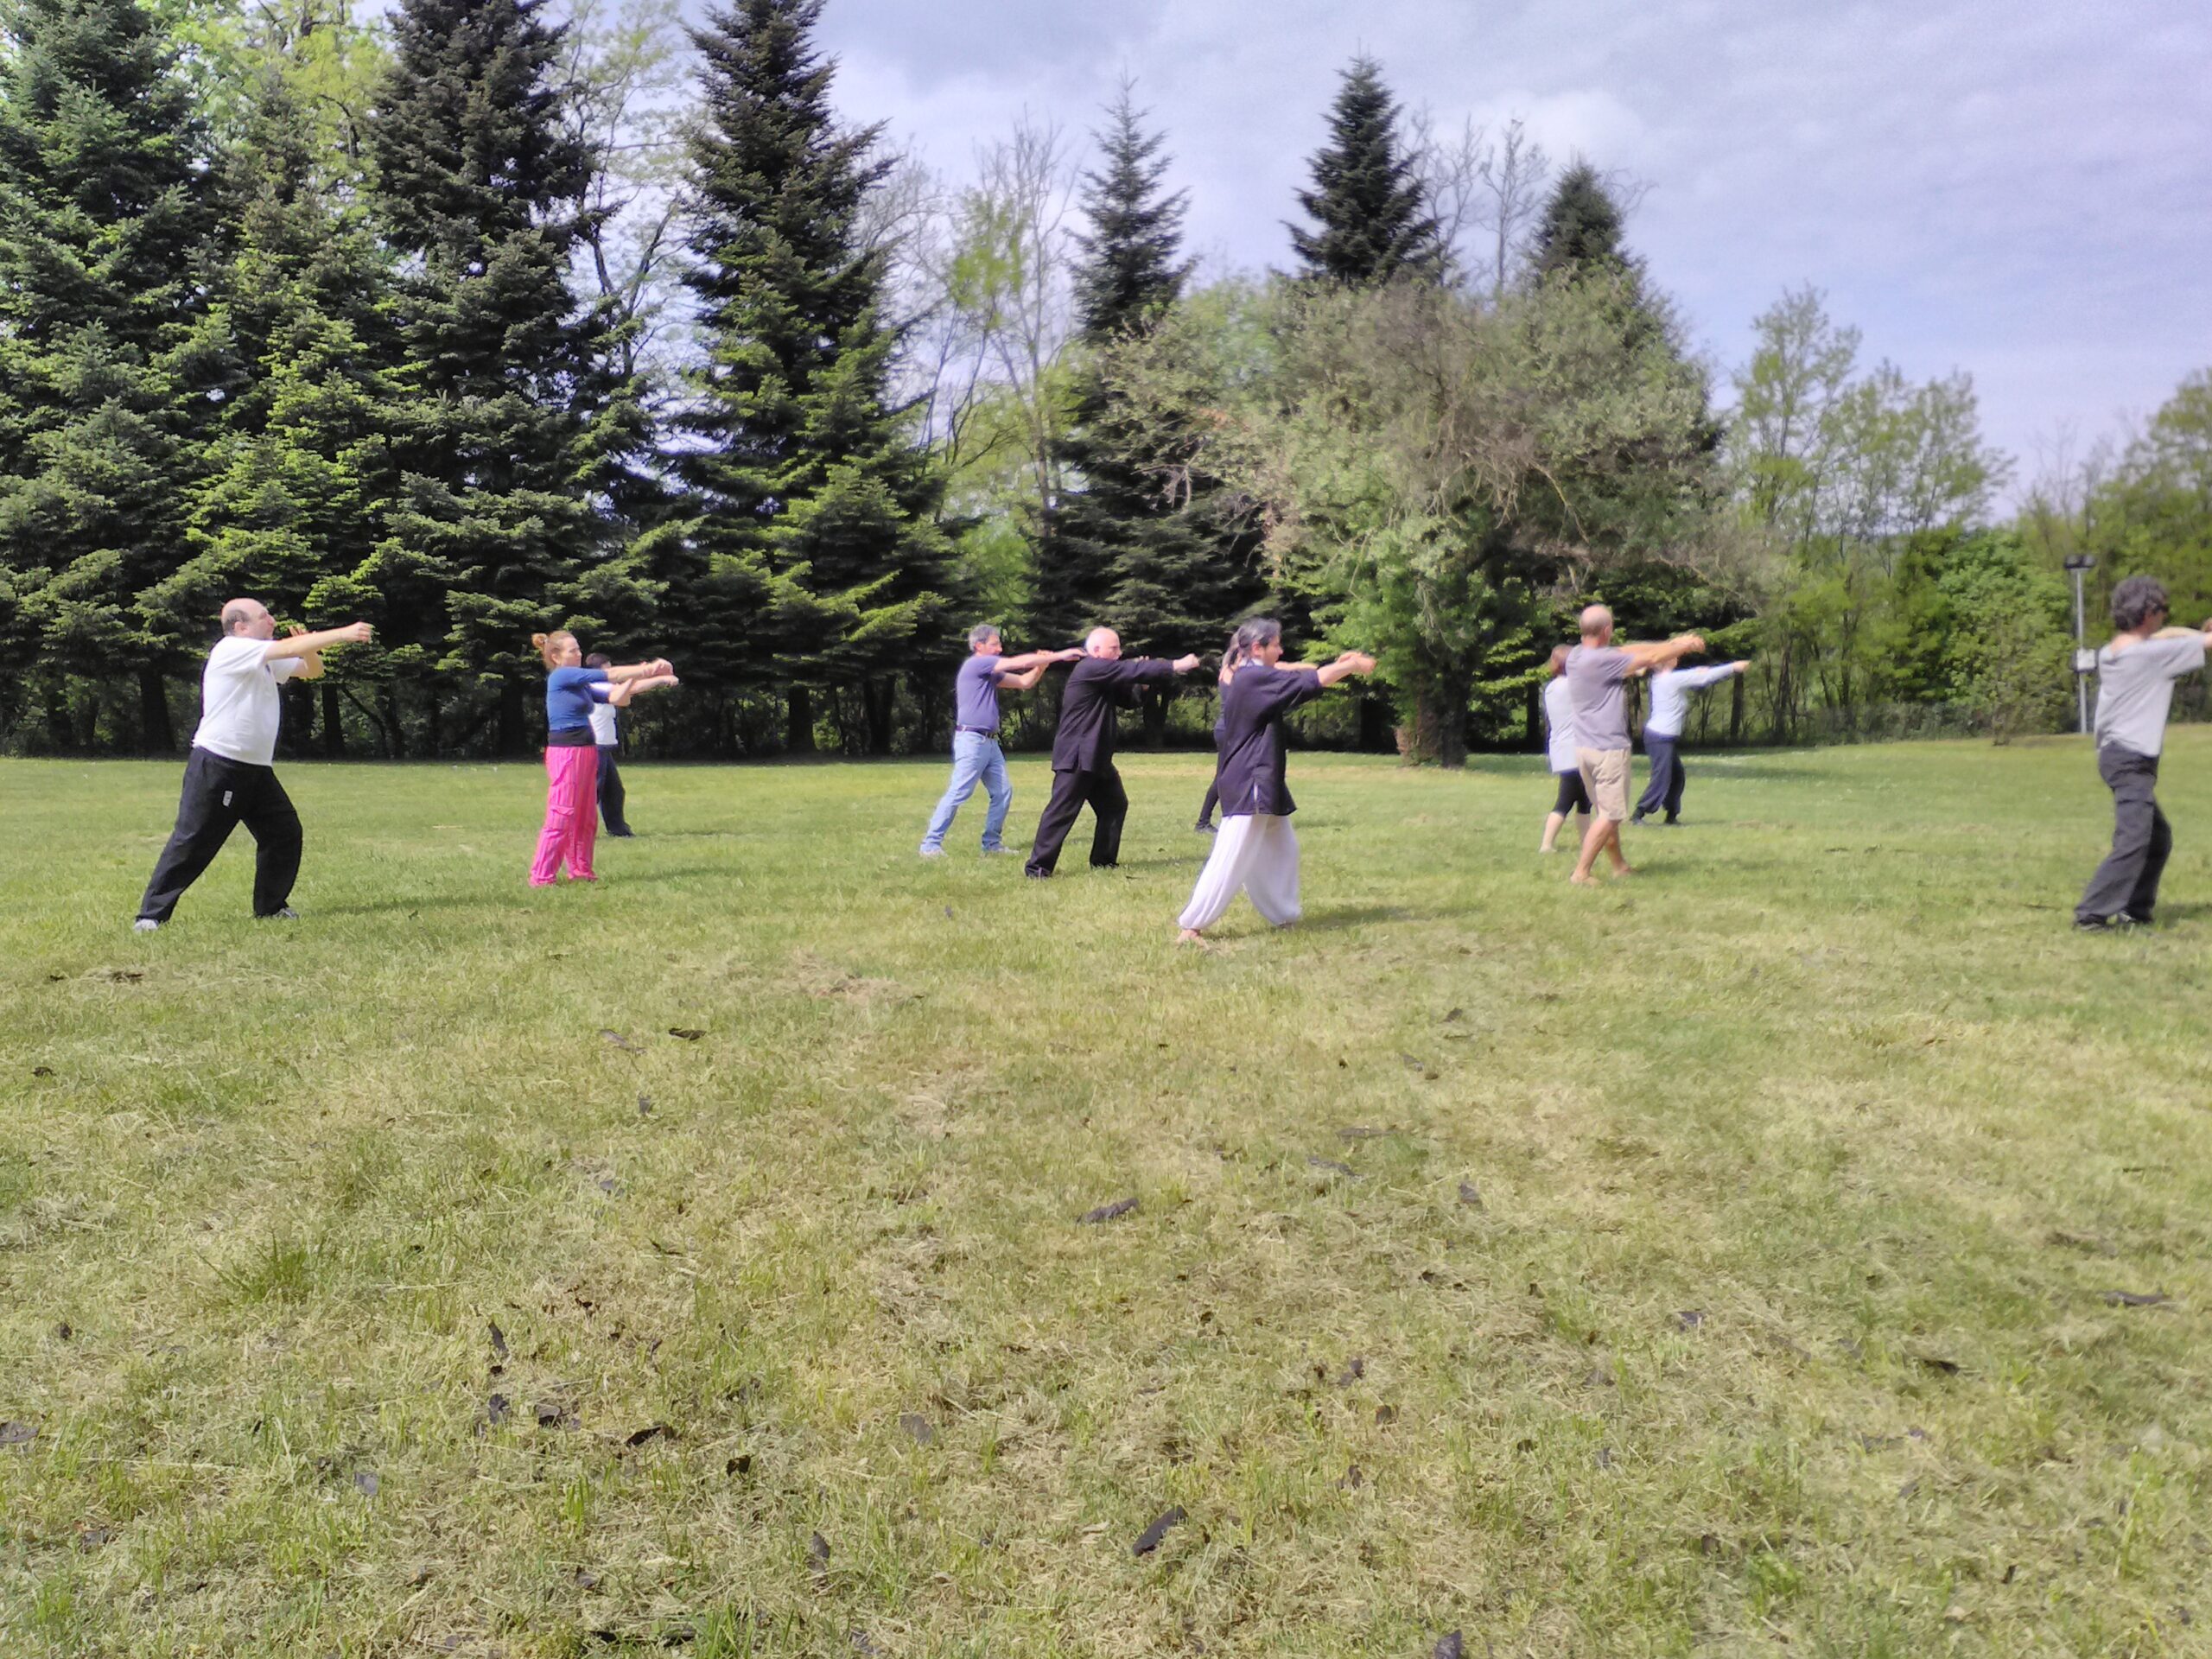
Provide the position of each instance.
(1665, 653)
(306, 644)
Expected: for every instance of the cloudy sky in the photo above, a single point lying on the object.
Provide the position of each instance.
(2022, 189)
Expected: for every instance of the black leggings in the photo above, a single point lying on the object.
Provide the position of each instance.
(1213, 789)
(1574, 797)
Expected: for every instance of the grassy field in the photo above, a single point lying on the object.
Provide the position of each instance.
(1744, 1259)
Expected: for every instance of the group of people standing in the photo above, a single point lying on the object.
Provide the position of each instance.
(230, 778)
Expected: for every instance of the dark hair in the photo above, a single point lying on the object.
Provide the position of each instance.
(599, 659)
(1250, 636)
(2135, 600)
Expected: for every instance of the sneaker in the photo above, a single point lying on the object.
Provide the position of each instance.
(145, 925)
(1636, 817)
(286, 914)
(2090, 924)
(932, 852)
(2129, 918)
(1204, 829)
(622, 835)
(1038, 876)
(1001, 852)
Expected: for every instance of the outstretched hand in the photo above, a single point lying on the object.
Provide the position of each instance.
(355, 633)
(1185, 665)
(1357, 662)
(1743, 667)
(1075, 653)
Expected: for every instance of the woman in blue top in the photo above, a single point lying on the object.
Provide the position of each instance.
(571, 757)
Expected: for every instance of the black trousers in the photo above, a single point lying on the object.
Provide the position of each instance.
(611, 796)
(1665, 788)
(1573, 794)
(218, 796)
(2141, 840)
(1110, 804)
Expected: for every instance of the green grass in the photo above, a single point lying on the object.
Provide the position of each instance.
(1805, 1163)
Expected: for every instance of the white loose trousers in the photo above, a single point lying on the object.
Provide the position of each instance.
(1254, 852)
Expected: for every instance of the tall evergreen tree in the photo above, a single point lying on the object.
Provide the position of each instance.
(300, 471)
(513, 422)
(816, 558)
(1126, 551)
(1130, 272)
(1371, 219)
(105, 370)
(1580, 230)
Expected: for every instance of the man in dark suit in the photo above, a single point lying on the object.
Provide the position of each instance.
(1099, 687)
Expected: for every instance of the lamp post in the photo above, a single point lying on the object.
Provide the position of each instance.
(2085, 660)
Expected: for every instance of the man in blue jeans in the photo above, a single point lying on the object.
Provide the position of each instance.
(976, 755)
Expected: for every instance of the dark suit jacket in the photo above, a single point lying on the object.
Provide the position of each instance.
(1095, 695)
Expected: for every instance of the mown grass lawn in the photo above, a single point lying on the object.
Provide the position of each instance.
(1723, 1263)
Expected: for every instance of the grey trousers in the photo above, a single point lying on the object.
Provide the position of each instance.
(2128, 879)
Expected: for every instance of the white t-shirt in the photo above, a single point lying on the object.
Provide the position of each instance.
(1670, 695)
(602, 725)
(1559, 717)
(238, 710)
(2135, 691)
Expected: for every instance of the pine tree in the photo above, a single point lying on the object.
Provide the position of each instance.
(1163, 571)
(106, 368)
(513, 422)
(300, 471)
(1580, 231)
(1130, 273)
(816, 559)
(1369, 212)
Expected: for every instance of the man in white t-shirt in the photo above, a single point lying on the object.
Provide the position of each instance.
(231, 778)
(2135, 690)
(607, 738)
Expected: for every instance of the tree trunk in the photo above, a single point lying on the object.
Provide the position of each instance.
(798, 728)
(1532, 712)
(334, 727)
(154, 733)
(1156, 699)
(59, 729)
(879, 697)
(1377, 733)
(1438, 736)
(394, 730)
(1735, 710)
(512, 739)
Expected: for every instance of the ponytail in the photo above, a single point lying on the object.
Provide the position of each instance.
(550, 646)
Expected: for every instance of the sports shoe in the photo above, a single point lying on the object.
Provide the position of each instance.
(145, 925)
(932, 852)
(1636, 817)
(1001, 852)
(2129, 918)
(1204, 829)
(286, 914)
(2091, 923)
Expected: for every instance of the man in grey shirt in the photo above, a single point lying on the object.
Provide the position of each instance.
(2135, 689)
(1598, 673)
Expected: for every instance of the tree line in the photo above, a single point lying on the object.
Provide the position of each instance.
(472, 320)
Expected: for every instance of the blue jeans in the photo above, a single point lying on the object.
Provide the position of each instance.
(974, 757)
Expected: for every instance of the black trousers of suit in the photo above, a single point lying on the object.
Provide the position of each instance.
(218, 796)
(1110, 805)
(611, 792)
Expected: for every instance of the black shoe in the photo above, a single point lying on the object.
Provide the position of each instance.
(1636, 817)
(1203, 828)
(1671, 819)
(1037, 875)
(622, 834)
(2090, 924)
(2129, 918)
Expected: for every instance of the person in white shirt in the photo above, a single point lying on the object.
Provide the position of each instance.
(607, 738)
(1662, 733)
(2135, 691)
(1558, 749)
(230, 778)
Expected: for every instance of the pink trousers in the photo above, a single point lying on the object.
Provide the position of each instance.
(571, 814)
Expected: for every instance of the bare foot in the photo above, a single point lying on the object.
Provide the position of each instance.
(1581, 881)
(1191, 936)
(1621, 872)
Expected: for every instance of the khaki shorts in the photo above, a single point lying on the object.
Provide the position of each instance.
(1605, 774)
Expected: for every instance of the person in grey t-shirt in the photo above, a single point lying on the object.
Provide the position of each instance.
(2135, 688)
(1598, 672)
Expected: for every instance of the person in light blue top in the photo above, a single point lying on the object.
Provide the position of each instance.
(975, 755)
(1662, 733)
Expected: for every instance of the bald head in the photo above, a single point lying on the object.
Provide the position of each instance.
(248, 617)
(1103, 642)
(1597, 624)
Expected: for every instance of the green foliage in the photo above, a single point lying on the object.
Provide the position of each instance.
(512, 422)
(1371, 219)
(107, 371)
(811, 536)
